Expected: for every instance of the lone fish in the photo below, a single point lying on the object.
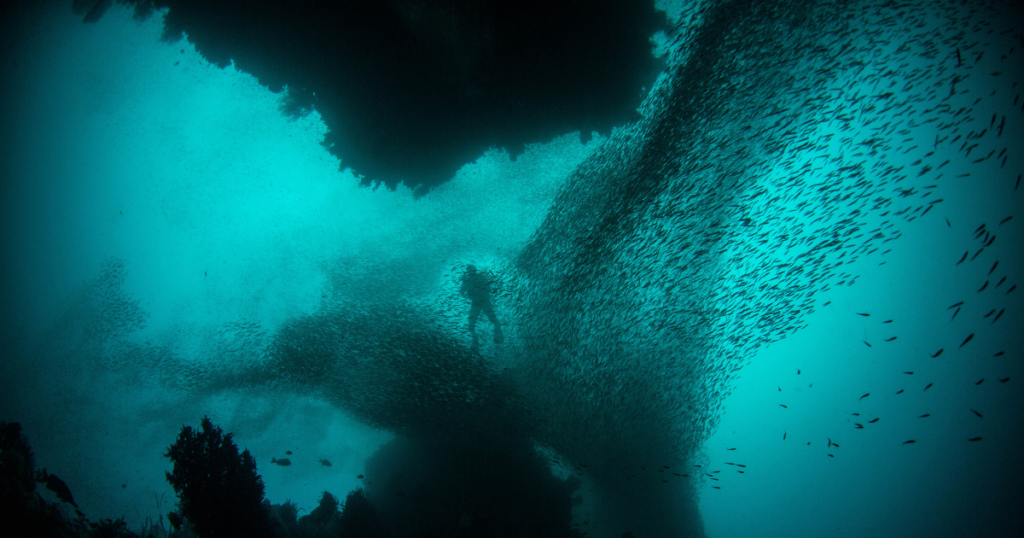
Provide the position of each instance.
(999, 315)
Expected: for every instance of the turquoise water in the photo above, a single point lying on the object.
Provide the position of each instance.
(694, 283)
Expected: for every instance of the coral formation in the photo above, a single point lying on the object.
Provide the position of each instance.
(219, 491)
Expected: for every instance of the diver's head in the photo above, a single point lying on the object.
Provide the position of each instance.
(470, 268)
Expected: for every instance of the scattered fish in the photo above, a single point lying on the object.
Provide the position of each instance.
(977, 413)
(968, 339)
(937, 353)
(928, 386)
(283, 462)
(926, 415)
(864, 396)
(325, 462)
(1004, 380)
(974, 439)
(910, 442)
(872, 421)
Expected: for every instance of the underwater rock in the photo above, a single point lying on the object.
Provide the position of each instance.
(23, 512)
(437, 487)
(56, 485)
(359, 518)
(413, 90)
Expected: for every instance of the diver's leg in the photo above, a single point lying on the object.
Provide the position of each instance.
(499, 337)
(474, 313)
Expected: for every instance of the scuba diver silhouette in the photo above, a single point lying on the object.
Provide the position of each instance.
(478, 290)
